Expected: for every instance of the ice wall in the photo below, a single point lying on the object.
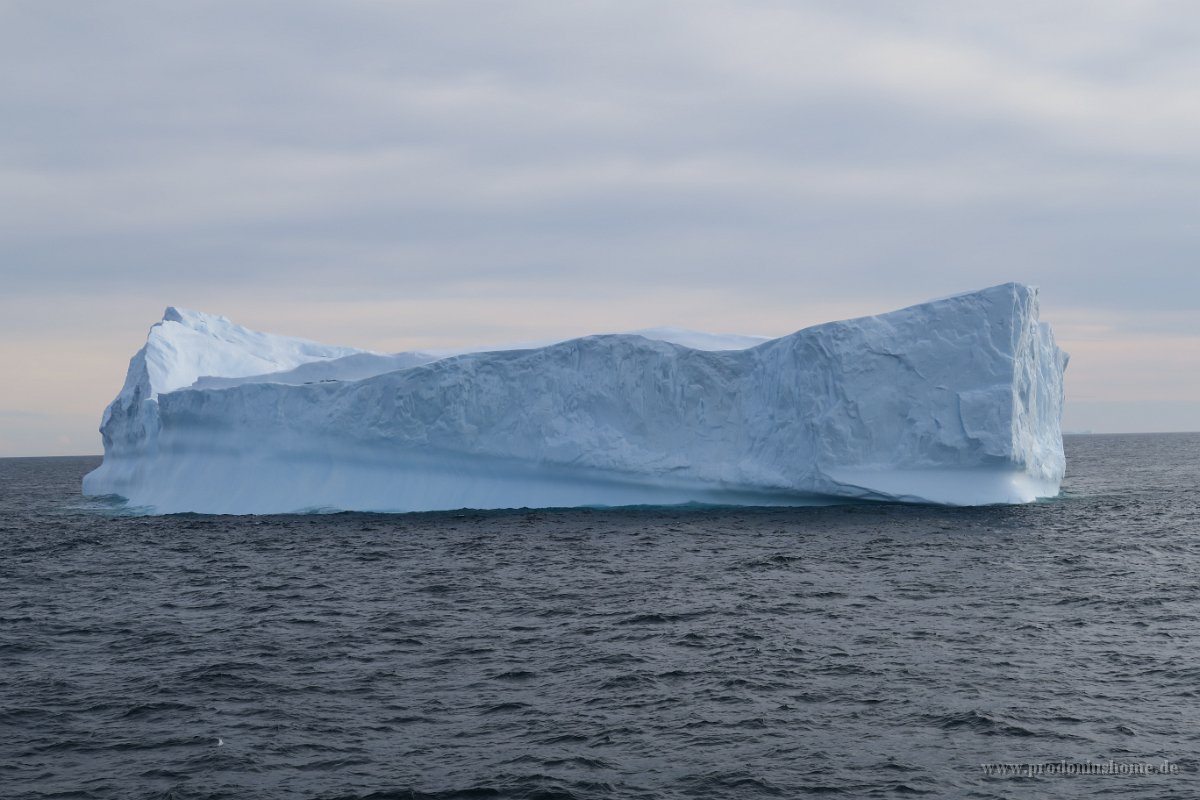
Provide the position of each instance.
(955, 401)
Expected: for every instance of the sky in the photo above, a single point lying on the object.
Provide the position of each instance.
(399, 175)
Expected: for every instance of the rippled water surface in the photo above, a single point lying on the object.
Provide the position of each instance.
(855, 651)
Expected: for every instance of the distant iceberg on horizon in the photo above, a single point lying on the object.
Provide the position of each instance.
(957, 401)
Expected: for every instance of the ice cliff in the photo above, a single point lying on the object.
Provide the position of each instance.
(955, 401)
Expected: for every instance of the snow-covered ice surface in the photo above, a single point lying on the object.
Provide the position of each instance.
(955, 401)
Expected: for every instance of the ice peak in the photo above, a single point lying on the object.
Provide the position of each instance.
(201, 321)
(187, 345)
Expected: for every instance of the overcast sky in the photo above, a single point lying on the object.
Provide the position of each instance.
(396, 175)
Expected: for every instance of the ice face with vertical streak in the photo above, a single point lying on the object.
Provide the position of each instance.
(956, 401)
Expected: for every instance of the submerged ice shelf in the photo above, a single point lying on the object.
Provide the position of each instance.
(956, 401)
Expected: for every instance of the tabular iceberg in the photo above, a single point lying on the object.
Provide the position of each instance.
(956, 401)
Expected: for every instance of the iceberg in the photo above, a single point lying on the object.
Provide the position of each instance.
(957, 401)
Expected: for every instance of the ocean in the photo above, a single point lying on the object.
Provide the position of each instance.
(857, 651)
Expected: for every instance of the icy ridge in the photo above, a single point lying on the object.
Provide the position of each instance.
(954, 401)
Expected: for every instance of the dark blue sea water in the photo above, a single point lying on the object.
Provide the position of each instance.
(855, 651)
